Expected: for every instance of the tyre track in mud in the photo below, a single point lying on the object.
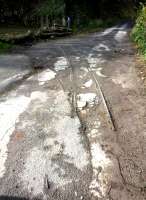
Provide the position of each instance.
(78, 112)
(114, 127)
(109, 122)
(71, 89)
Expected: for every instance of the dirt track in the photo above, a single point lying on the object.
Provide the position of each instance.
(57, 132)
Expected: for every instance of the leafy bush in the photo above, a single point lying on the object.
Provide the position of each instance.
(139, 31)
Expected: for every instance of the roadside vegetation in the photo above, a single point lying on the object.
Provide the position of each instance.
(139, 31)
(4, 47)
(16, 17)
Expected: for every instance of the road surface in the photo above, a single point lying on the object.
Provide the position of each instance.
(13, 68)
(75, 129)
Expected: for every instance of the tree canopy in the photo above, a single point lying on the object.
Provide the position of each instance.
(21, 9)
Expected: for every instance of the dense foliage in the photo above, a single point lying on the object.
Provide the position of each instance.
(81, 11)
(85, 15)
(139, 30)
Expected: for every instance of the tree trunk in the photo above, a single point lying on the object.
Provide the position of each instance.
(42, 22)
(47, 21)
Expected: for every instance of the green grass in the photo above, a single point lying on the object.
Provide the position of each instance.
(138, 34)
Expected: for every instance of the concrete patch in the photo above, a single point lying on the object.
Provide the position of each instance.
(61, 64)
(37, 167)
(61, 150)
(45, 76)
(87, 99)
(100, 163)
(88, 83)
(73, 147)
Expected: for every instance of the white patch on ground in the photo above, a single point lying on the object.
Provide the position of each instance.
(61, 64)
(73, 148)
(10, 111)
(89, 99)
(99, 73)
(77, 58)
(107, 31)
(110, 30)
(61, 104)
(38, 166)
(120, 35)
(45, 76)
(88, 83)
(100, 163)
(93, 61)
(101, 47)
(99, 157)
(9, 114)
(37, 95)
(62, 138)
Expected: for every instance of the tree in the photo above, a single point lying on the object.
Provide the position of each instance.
(51, 10)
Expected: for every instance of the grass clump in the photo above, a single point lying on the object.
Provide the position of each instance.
(139, 31)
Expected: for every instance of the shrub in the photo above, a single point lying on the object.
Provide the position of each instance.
(139, 31)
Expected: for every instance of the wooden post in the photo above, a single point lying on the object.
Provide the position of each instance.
(63, 21)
